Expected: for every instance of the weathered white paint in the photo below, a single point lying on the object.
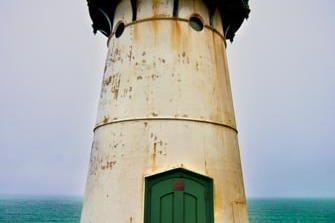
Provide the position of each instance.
(123, 13)
(165, 103)
(154, 8)
(217, 23)
(186, 8)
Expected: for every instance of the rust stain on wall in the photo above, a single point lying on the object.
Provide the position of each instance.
(115, 85)
(154, 155)
(93, 166)
(130, 55)
(154, 26)
(108, 80)
(176, 35)
(106, 119)
(115, 55)
(155, 7)
(109, 165)
(155, 76)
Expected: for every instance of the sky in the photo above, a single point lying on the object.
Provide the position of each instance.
(282, 71)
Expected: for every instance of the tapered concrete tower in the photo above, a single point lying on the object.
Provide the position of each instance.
(165, 144)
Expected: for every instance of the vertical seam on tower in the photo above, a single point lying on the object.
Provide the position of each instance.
(175, 8)
(134, 8)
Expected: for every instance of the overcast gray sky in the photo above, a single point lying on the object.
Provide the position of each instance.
(282, 69)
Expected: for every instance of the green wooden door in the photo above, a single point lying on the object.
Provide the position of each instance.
(179, 199)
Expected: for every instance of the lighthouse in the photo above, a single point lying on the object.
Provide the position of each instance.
(165, 146)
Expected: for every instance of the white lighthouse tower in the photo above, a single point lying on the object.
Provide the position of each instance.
(165, 144)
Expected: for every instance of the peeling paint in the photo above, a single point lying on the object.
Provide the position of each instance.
(155, 76)
(130, 53)
(154, 155)
(115, 85)
(106, 119)
(109, 165)
(107, 81)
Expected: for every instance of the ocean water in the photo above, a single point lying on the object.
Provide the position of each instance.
(40, 209)
(67, 210)
(289, 210)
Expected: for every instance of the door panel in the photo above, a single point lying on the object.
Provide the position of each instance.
(166, 208)
(190, 210)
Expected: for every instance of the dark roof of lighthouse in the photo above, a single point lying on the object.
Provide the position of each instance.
(233, 13)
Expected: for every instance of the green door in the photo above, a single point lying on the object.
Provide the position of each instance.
(179, 196)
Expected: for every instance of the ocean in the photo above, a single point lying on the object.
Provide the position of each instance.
(40, 209)
(67, 210)
(291, 210)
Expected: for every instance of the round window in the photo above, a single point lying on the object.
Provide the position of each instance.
(196, 23)
(119, 29)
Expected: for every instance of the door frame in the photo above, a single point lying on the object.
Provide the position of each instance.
(205, 181)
